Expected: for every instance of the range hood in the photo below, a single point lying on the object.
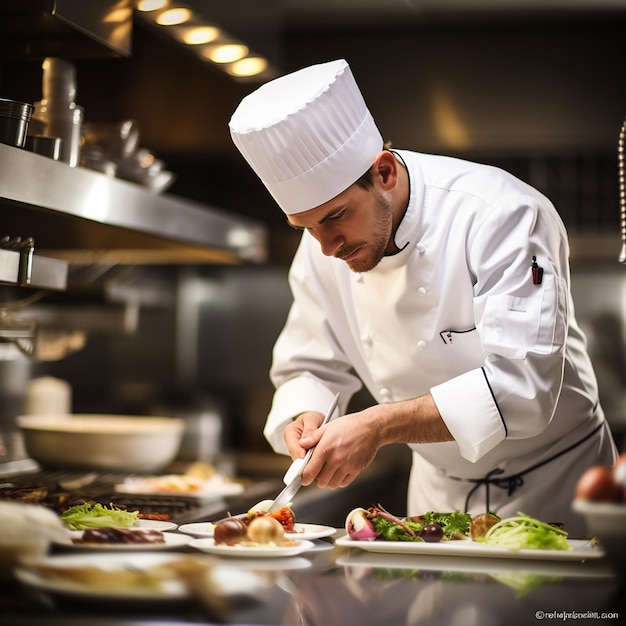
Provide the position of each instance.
(69, 29)
(84, 217)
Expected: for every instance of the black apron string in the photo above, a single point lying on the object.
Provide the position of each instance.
(512, 483)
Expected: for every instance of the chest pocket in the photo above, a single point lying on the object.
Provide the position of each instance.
(512, 326)
(461, 350)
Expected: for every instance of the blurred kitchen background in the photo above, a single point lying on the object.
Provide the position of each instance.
(535, 86)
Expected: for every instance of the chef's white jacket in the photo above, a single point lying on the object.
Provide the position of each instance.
(456, 313)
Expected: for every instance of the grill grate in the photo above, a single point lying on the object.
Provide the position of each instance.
(46, 487)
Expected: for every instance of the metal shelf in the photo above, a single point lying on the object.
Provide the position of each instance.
(85, 217)
(45, 273)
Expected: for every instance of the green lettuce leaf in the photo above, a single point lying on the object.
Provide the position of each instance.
(97, 515)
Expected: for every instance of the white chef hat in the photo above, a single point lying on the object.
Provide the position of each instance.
(307, 135)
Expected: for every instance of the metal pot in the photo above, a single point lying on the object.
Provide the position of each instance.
(14, 119)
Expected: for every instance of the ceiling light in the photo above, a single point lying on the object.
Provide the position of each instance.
(201, 34)
(151, 5)
(250, 66)
(226, 53)
(171, 17)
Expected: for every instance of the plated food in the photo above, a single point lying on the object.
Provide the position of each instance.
(521, 532)
(119, 536)
(578, 549)
(216, 486)
(97, 515)
(257, 533)
(300, 531)
(134, 577)
(252, 551)
(122, 540)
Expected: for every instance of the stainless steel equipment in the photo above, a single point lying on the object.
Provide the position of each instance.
(14, 120)
(66, 28)
(85, 217)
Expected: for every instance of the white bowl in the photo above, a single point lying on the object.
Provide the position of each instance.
(111, 442)
(607, 522)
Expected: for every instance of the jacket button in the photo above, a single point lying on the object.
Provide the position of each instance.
(385, 394)
(422, 291)
(421, 344)
(420, 248)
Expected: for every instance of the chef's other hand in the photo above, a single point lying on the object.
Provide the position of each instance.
(305, 424)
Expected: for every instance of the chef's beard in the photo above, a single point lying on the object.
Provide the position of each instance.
(371, 253)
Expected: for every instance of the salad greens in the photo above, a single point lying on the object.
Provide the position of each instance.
(97, 515)
(392, 531)
(454, 525)
(526, 533)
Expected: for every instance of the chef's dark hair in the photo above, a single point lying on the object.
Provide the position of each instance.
(366, 181)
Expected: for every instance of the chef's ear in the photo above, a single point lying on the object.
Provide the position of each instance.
(386, 169)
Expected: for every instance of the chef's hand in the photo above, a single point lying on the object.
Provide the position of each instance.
(345, 446)
(348, 444)
(302, 426)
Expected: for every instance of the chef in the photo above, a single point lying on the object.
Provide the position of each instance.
(441, 285)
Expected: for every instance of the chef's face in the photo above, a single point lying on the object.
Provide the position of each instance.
(355, 226)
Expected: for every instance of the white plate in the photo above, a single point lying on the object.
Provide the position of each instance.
(155, 524)
(227, 581)
(262, 551)
(171, 540)
(198, 529)
(311, 531)
(303, 531)
(581, 549)
(212, 490)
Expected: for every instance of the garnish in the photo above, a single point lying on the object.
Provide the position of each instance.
(98, 515)
(526, 533)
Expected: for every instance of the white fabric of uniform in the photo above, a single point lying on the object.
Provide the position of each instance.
(455, 313)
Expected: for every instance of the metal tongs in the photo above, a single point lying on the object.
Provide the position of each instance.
(293, 475)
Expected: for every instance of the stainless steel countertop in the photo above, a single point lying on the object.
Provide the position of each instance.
(333, 586)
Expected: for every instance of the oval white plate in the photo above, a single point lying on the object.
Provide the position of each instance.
(208, 545)
(171, 540)
(227, 581)
(303, 531)
(581, 549)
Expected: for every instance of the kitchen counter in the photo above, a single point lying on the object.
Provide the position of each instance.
(335, 586)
